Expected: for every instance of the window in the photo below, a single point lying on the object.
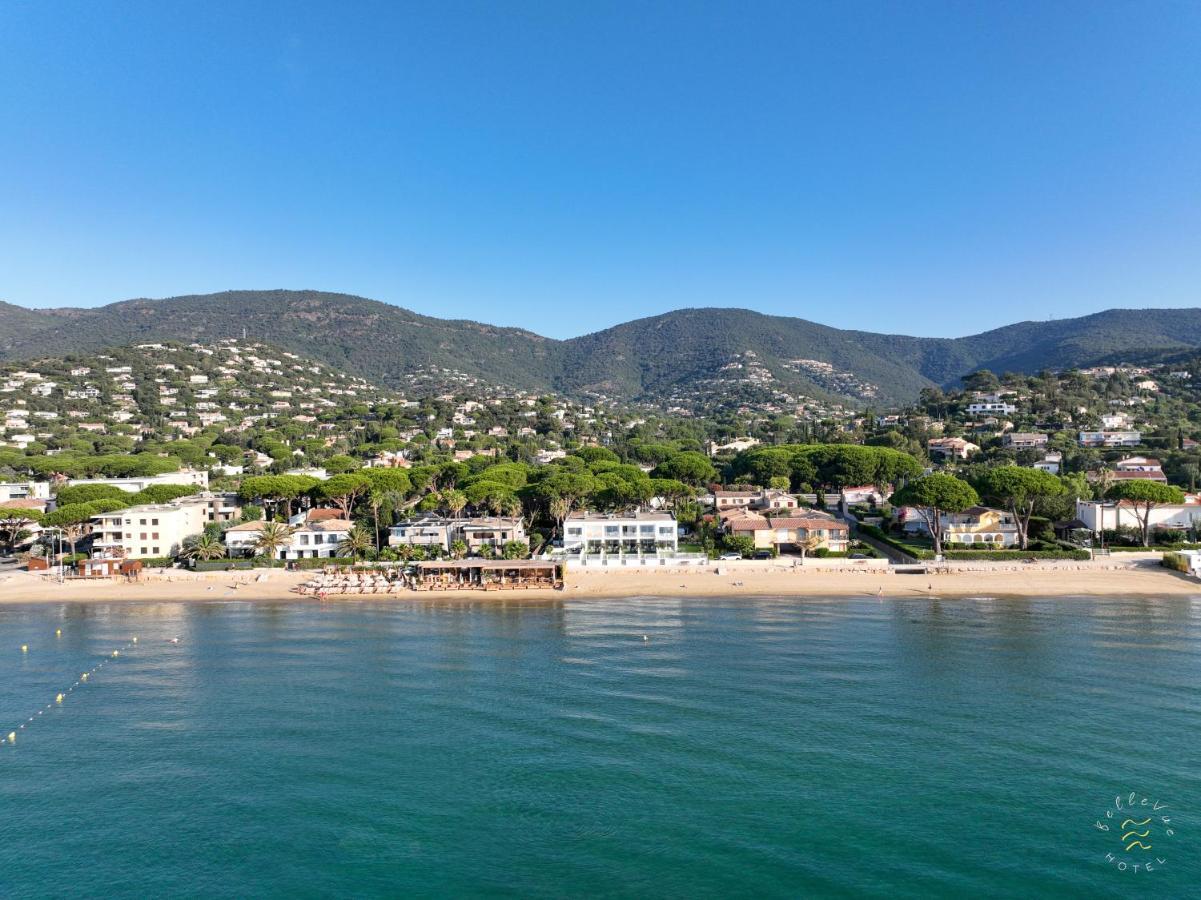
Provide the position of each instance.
(304, 540)
(143, 551)
(141, 521)
(142, 536)
(154, 521)
(154, 535)
(156, 551)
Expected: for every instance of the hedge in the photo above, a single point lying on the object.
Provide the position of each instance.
(926, 554)
(1175, 561)
(220, 565)
(1017, 554)
(156, 562)
(867, 552)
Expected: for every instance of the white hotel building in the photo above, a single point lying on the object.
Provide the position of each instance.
(633, 532)
(155, 529)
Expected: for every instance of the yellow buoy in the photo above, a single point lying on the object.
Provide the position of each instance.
(12, 737)
(58, 632)
(135, 640)
(58, 699)
(24, 648)
(116, 653)
(83, 677)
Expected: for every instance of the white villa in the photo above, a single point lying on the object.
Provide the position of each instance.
(24, 490)
(998, 407)
(1110, 438)
(310, 539)
(629, 532)
(436, 531)
(1107, 515)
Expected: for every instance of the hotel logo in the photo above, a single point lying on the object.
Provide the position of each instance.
(1138, 832)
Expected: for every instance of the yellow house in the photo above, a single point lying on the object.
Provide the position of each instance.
(978, 525)
(787, 532)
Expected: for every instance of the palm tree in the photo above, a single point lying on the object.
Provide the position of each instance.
(356, 543)
(512, 508)
(458, 549)
(273, 537)
(375, 499)
(454, 501)
(559, 508)
(206, 547)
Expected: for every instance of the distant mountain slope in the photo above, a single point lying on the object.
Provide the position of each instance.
(364, 337)
(652, 356)
(668, 355)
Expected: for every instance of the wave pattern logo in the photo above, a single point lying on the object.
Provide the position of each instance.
(1137, 835)
(1143, 829)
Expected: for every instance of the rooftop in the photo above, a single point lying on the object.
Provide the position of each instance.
(641, 515)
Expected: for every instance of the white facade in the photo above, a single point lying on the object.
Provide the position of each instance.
(991, 408)
(155, 529)
(1050, 463)
(435, 531)
(637, 532)
(1110, 438)
(24, 490)
(135, 484)
(312, 540)
(1098, 515)
(1109, 516)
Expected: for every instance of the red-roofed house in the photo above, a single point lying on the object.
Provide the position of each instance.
(790, 532)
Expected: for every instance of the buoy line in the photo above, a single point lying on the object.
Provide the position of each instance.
(10, 739)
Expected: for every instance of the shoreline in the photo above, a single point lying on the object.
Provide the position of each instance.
(1105, 580)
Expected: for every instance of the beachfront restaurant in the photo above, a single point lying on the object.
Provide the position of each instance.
(487, 574)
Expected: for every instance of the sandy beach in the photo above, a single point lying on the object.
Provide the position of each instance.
(1109, 578)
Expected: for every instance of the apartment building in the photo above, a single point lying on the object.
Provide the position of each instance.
(630, 532)
(154, 529)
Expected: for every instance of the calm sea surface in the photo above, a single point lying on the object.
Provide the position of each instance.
(745, 748)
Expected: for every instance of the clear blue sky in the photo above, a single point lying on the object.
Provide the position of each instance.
(932, 168)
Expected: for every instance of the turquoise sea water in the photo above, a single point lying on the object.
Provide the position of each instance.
(745, 748)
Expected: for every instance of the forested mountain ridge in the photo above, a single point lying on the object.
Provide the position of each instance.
(670, 357)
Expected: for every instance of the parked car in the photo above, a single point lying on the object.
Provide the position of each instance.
(730, 556)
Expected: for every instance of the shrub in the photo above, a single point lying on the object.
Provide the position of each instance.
(1017, 554)
(1176, 561)
(156, 562)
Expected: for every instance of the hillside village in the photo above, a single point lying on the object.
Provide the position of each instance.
(237, 450)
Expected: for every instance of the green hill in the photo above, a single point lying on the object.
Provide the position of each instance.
(675, 354)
